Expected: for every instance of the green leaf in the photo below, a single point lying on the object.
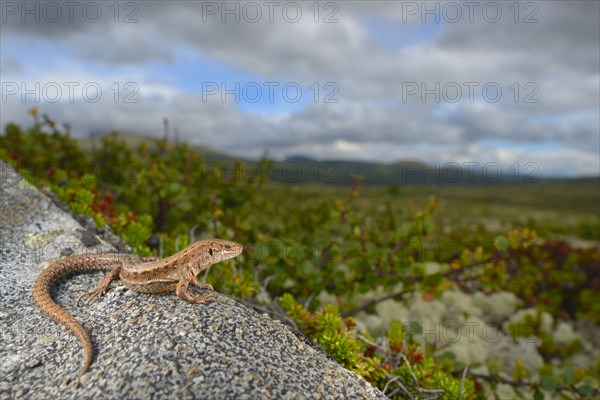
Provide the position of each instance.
(371, 247)
(307, 267)
(538, 395)
(174, 188)
(494, 367)
(185, 205)
(344, 229)
(548, 382)
(584, 390)
(501, 242)
(569, 373)
(449, 355)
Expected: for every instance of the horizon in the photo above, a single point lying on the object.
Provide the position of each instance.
(306, 158)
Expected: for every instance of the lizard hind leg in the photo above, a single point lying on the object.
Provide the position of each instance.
(102, 286)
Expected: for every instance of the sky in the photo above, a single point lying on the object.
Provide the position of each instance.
(512, 83)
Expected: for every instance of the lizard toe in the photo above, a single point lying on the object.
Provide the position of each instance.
(92, 295)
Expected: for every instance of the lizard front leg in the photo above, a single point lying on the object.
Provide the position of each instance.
(183, 292)
(195, 282)
(103, 285)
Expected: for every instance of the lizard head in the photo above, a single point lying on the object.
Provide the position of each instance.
(202, 254)
(220, 250)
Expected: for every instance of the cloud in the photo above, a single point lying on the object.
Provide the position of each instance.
(374, 57)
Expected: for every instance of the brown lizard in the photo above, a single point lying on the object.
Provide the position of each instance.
(154, 276)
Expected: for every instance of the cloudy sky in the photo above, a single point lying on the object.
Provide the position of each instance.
(512, 83)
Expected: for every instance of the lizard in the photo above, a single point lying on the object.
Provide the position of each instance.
(150, 275)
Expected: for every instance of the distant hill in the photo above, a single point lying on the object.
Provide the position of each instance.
(299, 169)
(302, 169)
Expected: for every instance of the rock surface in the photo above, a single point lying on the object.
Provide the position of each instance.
(146, 346)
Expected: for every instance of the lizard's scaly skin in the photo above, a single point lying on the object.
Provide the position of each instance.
(157, 276)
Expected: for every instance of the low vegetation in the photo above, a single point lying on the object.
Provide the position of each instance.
(335, 258)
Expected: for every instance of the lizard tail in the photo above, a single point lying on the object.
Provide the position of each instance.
(59, 270)
(57, 313)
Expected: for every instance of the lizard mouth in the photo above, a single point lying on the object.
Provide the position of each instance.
(232, 249)
(237, 251)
